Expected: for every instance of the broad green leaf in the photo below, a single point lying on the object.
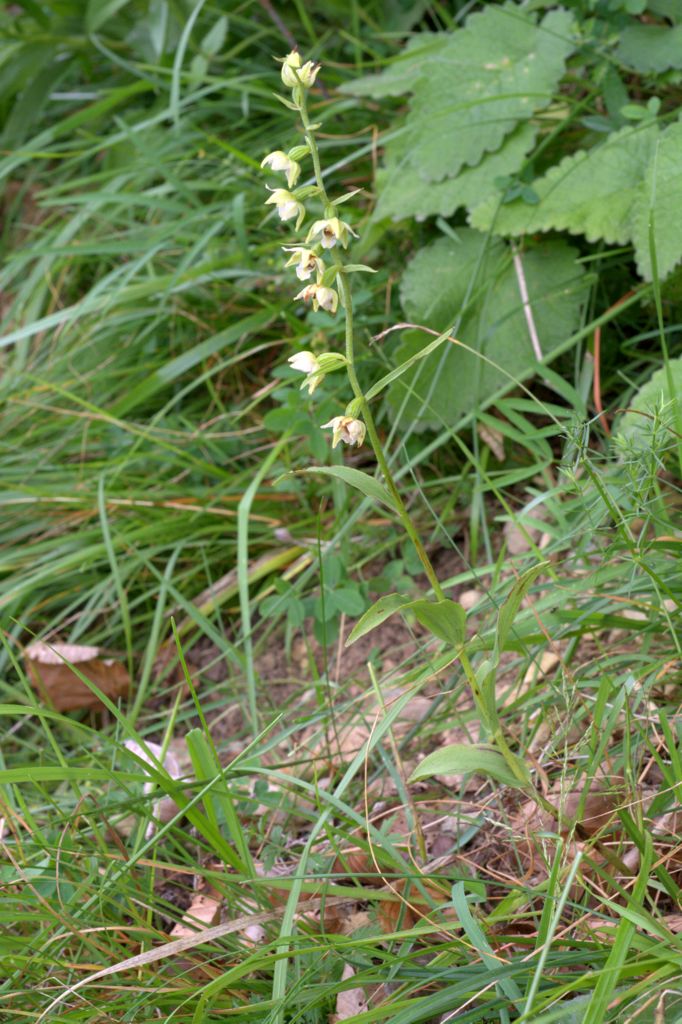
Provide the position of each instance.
(348, 600)
(650, 47)
(610, 192)
(661, 201)
(401, 188)
(370, 487)
(449, 384)
(593, 192)
(100, 11)
(404, 71)
(461, 757)
(491, 74)
(445, 619)
(655, 394)
(376, 614)
(213, 41)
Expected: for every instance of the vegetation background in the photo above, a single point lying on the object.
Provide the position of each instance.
(519, 177)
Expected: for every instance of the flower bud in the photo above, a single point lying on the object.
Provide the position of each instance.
(306, 362)
(293, 74)
(346, 429)
(290, 64)
(354, 407)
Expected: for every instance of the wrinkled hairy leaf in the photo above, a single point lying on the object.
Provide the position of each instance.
(591, 192)
(655, 394)
(448, 385)
(457, 758)
(611, 192)
(445, 619)
(404, 71)
(363, 482)
(485, 77)
(660, 206)
(401, 188)
(651, 47)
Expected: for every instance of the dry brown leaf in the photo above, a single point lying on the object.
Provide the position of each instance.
(203, 912)
(520, 535)
(493, 438)
(536, 670)
(165, 808)
(470, 598)
(350, 1002)
(60, 687)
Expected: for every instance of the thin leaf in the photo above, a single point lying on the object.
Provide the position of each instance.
(384, 381)
(477, 938)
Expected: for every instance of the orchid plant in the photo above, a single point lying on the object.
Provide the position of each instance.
(319, 259)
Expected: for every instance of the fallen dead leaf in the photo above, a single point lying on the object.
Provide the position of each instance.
(59, 686)
(203, 912)
(350, 1002)
(520, 534)
(165, 808)
(470, 598)
(536, 670)
(493, 438)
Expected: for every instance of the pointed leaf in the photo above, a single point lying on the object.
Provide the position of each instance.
(445, 619)
(476, 936)
(508, 611)
(398, 371)
(461, 757)
(214, 39)
(370, 487)
(376, 614)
